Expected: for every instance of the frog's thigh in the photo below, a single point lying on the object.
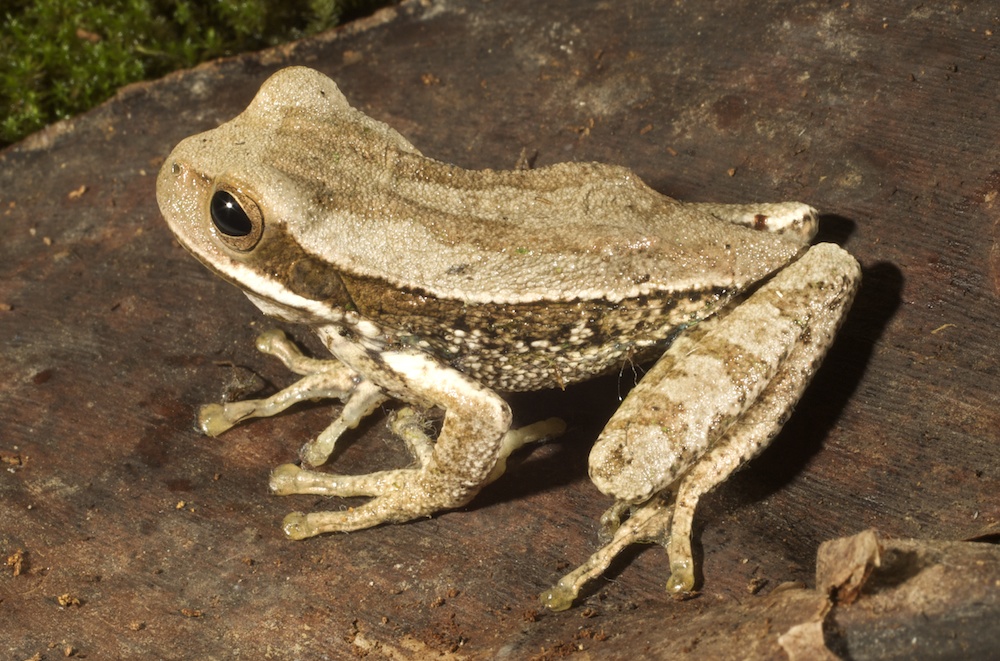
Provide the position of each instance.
(713, 421)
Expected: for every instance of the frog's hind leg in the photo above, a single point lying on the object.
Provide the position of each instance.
(744, 441)
(825, 286)
(648, 523)
(469, 451)
(700, 416)
(667, 517)
(408, 424)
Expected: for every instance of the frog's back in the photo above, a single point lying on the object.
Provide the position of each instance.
(572, 231)
(355, 193)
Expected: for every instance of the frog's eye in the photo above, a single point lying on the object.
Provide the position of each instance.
(238, 219)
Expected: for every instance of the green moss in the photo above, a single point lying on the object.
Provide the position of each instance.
(60, 57)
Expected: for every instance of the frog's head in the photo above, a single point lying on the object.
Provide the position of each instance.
(238, 197)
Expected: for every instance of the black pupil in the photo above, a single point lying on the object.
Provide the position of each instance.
(229, 216)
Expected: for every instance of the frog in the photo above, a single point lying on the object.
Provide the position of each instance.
(447, 290)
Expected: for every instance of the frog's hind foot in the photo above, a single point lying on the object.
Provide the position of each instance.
(391, 508)
(647, 523)
(397, 495)
(289, 479)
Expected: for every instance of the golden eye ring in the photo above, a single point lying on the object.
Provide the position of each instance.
(237, 218)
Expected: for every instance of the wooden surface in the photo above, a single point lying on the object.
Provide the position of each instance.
(130, 535)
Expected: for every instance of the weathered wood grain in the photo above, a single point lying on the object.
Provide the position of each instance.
(131, 535)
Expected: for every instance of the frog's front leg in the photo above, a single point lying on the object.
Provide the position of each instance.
(322, 379)
(712, 402)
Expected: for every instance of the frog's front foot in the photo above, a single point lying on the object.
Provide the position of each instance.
(364, 398)
(396, 495)
(214, 419)
(283, 481)
(300, 525)
(289, 479)
(321, 379)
